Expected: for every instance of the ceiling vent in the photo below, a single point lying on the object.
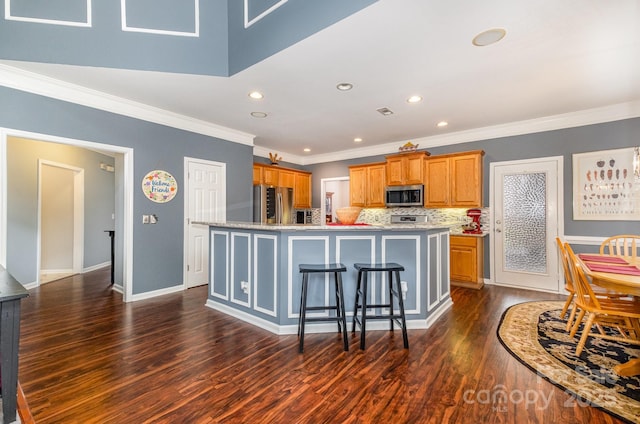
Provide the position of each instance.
(385, 111)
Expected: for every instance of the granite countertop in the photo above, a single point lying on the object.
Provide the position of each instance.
(306, 227)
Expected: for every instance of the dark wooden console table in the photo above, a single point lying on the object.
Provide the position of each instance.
(11, 293)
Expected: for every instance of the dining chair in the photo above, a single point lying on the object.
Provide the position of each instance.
(619, 314)
(621, 245)
(570, 288)
(568, 285)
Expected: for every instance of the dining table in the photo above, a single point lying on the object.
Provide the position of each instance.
(627, 283)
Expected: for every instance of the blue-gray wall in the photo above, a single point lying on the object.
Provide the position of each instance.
(22, 196)
(157, 249)
(222, 47)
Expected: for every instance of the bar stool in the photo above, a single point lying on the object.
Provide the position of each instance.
(392, 269)
(337, 269)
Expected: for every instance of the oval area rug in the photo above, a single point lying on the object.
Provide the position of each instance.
(534, 333)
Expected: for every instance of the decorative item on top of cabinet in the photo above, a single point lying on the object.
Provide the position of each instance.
(367, 185)
(453, 180)
(406, 168)
(466, 261)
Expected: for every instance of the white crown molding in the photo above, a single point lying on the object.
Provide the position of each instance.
(600, 115)
(45, 86)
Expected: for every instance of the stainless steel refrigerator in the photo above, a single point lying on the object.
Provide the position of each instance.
(272, 205)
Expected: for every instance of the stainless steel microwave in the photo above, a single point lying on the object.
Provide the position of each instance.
(399, 196)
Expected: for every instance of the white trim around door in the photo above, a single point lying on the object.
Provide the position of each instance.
(127, 190)
(522, 254)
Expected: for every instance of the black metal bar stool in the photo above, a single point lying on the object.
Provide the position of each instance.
(337, 269)
(392, 269)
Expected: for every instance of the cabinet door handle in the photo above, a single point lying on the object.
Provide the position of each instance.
(498, 230)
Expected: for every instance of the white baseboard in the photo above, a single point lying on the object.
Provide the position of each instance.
(96, 267)
(324, 327)
(156, 293)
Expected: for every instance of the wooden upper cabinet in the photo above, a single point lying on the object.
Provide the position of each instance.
(376, 190)
(257, 174)
(454, 180)
(270, 175)
(357, 185)
(436, 191)
(299, 181)
(405, 168)
(466, 180)
(367, 185)
(302, 190)
(286, 178)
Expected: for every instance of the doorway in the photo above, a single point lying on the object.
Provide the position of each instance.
(205, 201)
(526, 215)
(124, 202)
(60, 220)
(334, 195)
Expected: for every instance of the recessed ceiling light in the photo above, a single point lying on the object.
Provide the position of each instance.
(306, 149)
(442, 124)
(357, 140)
(489, 36)
(258, 114)
(344, 86)
(414, 99)
(256, 95)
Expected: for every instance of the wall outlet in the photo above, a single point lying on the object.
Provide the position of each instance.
(405, 288)
(146, 219)
(244, 286)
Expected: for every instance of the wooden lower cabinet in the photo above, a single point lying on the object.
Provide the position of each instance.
(466, 261)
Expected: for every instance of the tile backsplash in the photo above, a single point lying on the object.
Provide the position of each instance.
(451, 217)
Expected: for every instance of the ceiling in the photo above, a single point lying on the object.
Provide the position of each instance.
(557, 58)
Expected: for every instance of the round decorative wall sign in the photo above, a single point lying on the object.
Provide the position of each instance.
(159, 186)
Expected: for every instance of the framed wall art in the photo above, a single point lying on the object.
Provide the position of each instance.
(606, 185)
(159, 186)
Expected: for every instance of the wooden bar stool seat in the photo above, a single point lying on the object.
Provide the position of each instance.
(393, 270)
(336, 269)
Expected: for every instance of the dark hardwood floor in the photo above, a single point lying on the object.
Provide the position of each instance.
(86, 357)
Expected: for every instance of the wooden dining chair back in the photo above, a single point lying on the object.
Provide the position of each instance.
(568, 283)
(622, 245)
(621, 315)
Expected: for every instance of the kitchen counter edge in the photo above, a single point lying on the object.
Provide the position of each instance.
(306, 227)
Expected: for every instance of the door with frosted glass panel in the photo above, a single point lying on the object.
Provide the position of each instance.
(525, 223)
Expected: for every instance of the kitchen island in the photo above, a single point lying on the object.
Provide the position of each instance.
(253, 270)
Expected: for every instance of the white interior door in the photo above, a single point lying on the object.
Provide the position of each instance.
(205, 202)
(61, 220)
(526, 217)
